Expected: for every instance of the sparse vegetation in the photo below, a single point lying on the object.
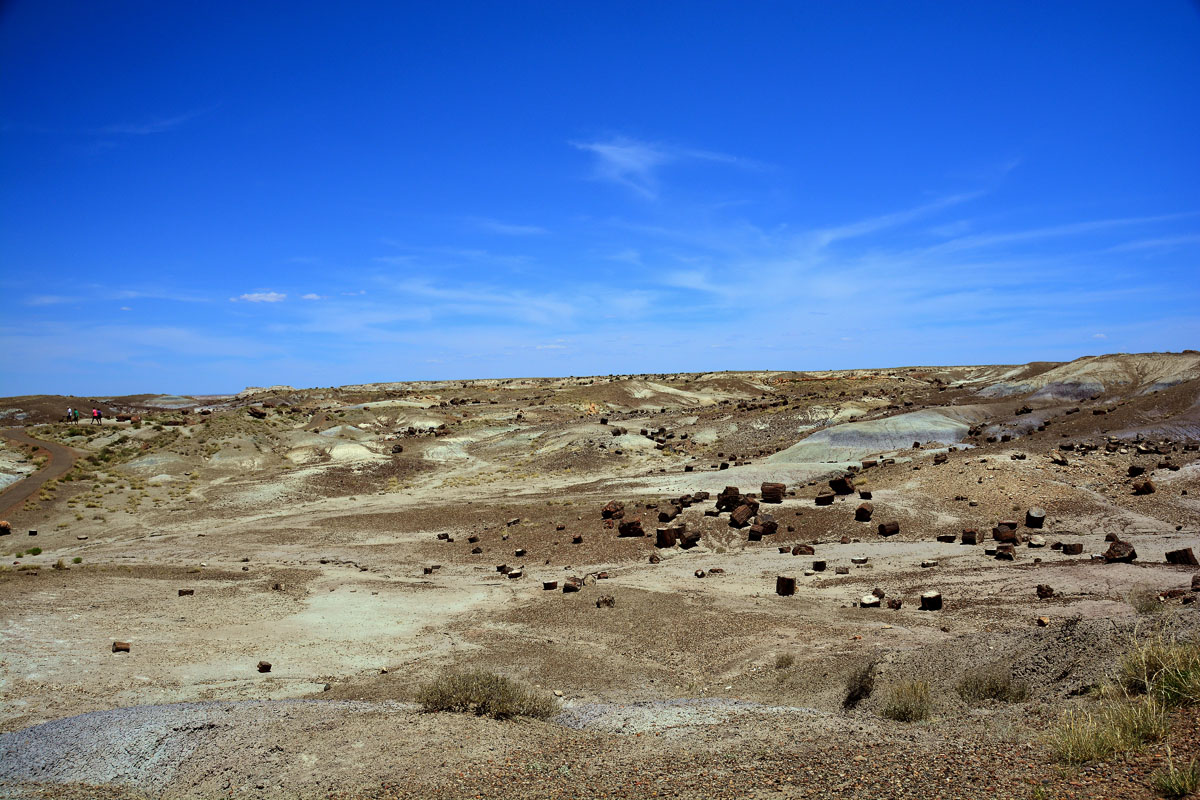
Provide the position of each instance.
(485, 694)
(1115, 727)
(1176, 779)
(784, 661)
(907, 701)
(77, 560)
(859, 684)
(1144, 600)
(993, 682)
(1166, 669)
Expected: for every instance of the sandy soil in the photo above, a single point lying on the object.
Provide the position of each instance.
(300, 525)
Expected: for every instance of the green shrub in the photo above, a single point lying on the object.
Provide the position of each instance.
(77, 560)
(486, 694)
(907, 701)
(993, 682)
(34, 551)
(1176, 780)
(1116, 727)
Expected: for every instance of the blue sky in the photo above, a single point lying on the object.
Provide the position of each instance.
(196, 197)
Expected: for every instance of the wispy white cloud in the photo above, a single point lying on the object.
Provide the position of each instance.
(507, 228)
(152, 125)
(1156, 244)
(311, 296)
(259, 297)
(50, 300)
(635, 164)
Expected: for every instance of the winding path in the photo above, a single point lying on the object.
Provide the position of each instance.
(61, 460)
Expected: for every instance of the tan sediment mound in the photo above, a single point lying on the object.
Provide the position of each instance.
(1139, 373)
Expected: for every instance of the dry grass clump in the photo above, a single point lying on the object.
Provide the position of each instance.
(907, 701)
(486, 694)
(1116, 727)
(993, 682)
(1156, 674)
(785, 661)
(1164, 668)
(1175, 779)
(859, 684)
(1144, 600)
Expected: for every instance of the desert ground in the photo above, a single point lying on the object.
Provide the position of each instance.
(618, 544)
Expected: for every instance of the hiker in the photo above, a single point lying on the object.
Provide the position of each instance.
(76, 417)
(70, 416)
(96, 416)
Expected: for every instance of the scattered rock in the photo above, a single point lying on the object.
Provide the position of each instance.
(1044, 592)
(931, 601)
(1120, 552)
(1072, 548)
(549, 586)
(264, 666)
(120, 647)
(773, 492)
(863, 512)
(606, 601)
(1035, 517)
(785, 586)
(631, 527)
(1183, 556)
(842, 485)
(803, 550)
(1144, 487)
(186, 592)
(889, 528)
(868, 601)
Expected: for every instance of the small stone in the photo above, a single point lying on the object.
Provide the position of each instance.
(1035, 518)
(186, 592)
(889, 528)
(1044, 592)
(785, 586)
(1072, 548)
(120, 647)
(868, 601)
(1043, 622)
(264, 666)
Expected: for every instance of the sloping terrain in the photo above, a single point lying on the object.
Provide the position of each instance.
(352, 537)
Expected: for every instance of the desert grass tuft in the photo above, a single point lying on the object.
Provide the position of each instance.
(1144, 600)
(1176, 779)
(859, 684)
(907, 701)
(485, 694)
(992, 682)
(1164, 668)
(785, 661)
(1116, 727)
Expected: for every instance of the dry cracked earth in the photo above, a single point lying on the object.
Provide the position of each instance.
(621, 543)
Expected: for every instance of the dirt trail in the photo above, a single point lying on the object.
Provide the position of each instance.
(60, 462)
